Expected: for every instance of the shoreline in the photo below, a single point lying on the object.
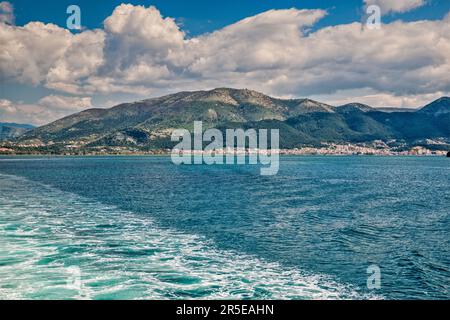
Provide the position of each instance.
(6, 155)
(376, 149)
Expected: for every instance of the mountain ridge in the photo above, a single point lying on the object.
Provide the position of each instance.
(148, 123)
(11, 130)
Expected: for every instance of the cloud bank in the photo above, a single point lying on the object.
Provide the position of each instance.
(47, 109)
(139, 51)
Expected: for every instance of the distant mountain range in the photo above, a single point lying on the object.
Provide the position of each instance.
(13, 130)
(148, 124)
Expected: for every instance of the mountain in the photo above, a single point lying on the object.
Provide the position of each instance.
(13, 130)
(354, 107)
(148, 124)
(438, 107)
(153, 119)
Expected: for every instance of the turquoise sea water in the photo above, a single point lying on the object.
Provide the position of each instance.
(143, 228)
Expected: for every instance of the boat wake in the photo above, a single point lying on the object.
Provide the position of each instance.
(58, 245)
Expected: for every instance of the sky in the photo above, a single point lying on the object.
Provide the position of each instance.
(134, 50)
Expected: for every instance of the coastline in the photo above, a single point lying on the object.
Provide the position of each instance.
(377, 148)
(168, 154)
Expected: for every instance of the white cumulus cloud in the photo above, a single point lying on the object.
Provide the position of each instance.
(401, 6)
(138, 51)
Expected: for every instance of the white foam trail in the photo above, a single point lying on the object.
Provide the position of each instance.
(58, 245)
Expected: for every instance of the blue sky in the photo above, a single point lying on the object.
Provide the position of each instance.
(324, 53)
(200, 16)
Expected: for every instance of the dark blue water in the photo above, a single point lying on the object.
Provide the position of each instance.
(327, 216)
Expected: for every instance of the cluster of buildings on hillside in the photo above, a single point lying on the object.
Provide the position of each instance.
(351, 149)
(376, 148)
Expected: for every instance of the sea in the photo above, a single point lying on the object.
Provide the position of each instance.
(140, 227)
